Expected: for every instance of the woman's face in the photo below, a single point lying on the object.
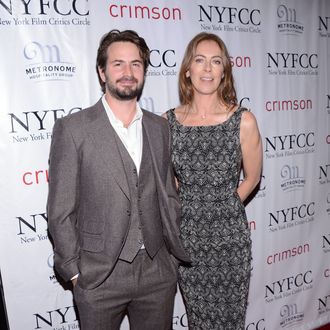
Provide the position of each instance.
(206, 69)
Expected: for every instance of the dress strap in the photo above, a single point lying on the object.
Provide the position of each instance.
(171, 117)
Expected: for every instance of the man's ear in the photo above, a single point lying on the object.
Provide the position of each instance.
(101, 73)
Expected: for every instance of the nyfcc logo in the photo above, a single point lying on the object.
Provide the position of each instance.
(324, 304)
(324, 174)
(32, 228)
(289, 145)
(288, 286)
(229, 19)
(42, 13)
(292, 64)
(35, 126)
(326, 243)
(63, 318)
(291, 216)
(45, 62)
(324, 25)
(163, 62)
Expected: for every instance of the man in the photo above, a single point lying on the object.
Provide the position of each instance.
(112, 205)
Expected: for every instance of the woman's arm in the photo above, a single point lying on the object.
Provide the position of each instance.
(252, 154)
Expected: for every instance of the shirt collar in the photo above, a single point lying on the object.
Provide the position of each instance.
(114, 120)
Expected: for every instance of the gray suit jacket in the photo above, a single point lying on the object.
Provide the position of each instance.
(89, 199)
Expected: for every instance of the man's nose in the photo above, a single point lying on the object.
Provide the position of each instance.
(128, 70)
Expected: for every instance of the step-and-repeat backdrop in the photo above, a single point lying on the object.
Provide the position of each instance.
(280, 56)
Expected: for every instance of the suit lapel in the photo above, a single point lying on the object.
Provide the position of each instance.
(103, 136)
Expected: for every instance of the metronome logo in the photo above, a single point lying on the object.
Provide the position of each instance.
(45, 63)
(291, 178)
(287, 23)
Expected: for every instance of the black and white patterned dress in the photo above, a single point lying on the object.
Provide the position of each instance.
(214, 228)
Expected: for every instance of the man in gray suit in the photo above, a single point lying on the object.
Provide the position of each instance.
(113, 209)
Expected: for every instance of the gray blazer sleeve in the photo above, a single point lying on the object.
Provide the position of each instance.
(62, 200)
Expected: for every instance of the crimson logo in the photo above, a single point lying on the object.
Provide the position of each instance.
(288, 284)
(292, 60)
(63, 8)
(230, 15)
(240, 61)
(252, 224)
(35, 177)
(287, 254)
(144, 12)
(287, 105)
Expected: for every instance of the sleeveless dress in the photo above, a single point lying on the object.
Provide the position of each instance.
(214, 228)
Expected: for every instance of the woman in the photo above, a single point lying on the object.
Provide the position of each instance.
(211, 137)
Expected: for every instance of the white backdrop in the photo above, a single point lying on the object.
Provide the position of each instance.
(280, 54)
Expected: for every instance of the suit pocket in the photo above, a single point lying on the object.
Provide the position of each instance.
(92, 243)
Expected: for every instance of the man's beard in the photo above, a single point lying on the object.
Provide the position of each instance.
(126, 93)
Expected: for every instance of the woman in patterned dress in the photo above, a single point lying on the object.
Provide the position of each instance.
(212, 139)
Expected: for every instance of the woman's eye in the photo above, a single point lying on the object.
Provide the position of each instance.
(217, 62)
(199, 60)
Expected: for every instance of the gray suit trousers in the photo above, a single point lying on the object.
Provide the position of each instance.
(144, 290)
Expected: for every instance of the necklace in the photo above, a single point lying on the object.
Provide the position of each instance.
(203, 116)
